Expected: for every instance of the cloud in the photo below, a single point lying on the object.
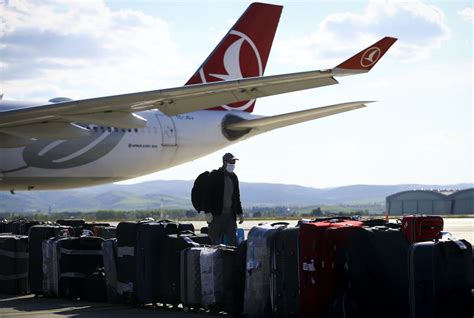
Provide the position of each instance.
(467, 14)
(84, 48)
(419, 27)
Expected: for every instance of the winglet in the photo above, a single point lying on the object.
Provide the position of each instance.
(366, 59)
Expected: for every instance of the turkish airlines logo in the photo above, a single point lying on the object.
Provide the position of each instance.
(370, 57)
(233, 67)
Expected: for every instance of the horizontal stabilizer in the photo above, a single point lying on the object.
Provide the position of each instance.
(273, 122)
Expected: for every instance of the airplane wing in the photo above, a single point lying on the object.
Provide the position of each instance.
(118, 110)
(273, 122)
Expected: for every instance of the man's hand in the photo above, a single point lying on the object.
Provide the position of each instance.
(241, 218)
(208, 218)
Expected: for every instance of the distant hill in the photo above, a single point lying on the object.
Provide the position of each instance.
(176, 195)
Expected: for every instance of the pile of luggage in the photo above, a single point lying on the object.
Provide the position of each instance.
(333, 267)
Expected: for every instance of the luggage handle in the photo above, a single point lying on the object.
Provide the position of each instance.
(279, 223)
(185, 232)
(165, 221)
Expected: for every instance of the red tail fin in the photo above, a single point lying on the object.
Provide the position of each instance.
(243, 52)
(366, 59)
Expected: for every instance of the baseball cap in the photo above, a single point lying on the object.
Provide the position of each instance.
(228, 156)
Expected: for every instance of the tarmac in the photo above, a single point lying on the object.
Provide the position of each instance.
(31, 306)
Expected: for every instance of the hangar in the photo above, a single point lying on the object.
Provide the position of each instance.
(439, 202)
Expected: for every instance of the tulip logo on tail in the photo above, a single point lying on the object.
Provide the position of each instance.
(232, 65)
(370, 56)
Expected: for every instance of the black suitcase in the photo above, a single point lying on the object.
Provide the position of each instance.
(377, 273)
(149, 237)
(36, 236)
(20, 226)
(13, 264)
(105, 232)
(3, 226)
(81, 268)
(126, 263)
(284, 283)
(168, 278)
(440, 274)
(91, 225)
(217, 264)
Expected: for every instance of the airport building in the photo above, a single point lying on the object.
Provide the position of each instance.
(434, 202)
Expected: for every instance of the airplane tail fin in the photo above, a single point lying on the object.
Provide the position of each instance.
(243, 52)
(366, 59)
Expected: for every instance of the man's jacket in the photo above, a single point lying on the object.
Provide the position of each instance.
(216, 193)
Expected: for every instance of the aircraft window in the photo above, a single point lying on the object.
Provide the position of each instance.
(88, 128)
(124, 130)
(109, 129)
(116, 129)
(102, 128)
(129, 130)
(95, 128)
(135, 130)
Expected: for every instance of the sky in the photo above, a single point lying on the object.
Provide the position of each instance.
(420, 130)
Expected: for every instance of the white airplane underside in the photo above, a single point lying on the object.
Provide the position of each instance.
(66, 143)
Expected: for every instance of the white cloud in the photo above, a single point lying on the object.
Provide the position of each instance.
(419, 27)
(467, 14)
(83, 48)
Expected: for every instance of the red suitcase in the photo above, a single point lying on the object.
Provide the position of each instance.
(321, 262)
(420, 228)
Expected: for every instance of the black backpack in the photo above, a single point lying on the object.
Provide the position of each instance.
(200, 192)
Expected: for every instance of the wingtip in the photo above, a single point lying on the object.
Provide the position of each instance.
(366, 59)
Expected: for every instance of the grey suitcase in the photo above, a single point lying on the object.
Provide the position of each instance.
(51, 269)
(191, 277)
(109, 251)
(217, 270)
(257, 299)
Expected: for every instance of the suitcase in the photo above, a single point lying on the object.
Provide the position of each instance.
(105, 232)
(76, 223)
(91, 225)
(318, 271)
(13, 264)
(81, 268)
(126, 262)
(190, 285)
(439, 279)
(149, 237)
(240, 270)
(284, 283)
(420, 228)
(109, 252)
(51, 271)
(168, 269)
(38, 234)
(377, 273)
(217, 278)
(3, 226)
(257, 300)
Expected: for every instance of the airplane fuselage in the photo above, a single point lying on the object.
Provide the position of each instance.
(112, 154)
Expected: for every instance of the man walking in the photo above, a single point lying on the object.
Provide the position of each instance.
(224, 202)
